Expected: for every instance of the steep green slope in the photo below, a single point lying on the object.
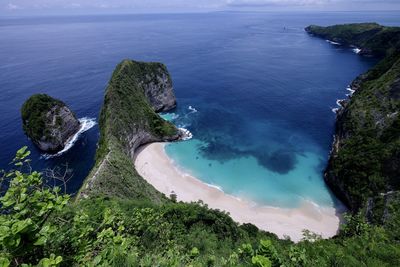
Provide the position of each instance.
(372, 38)
(39, 227)
(365, 160)
(125, 222)
(128, 120)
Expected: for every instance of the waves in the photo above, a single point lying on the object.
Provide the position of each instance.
(214, 186)
(350, 90)
(182, 121)
(186, 134)
(86, 124)
(169, 116)
(340, 102)
(192, 109)
(354, 48)
(333, 43)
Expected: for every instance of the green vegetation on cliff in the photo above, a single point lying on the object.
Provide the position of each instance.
(372, 38)
(40, 227)
(34, 112)
(121, 220)
(365, 161)
(127, 120)
(48, 122)
(368, 157)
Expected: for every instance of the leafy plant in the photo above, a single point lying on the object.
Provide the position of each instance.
(25, 208)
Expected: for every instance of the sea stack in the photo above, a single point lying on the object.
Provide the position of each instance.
(48, 122)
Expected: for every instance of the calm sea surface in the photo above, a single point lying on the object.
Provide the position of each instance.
(255, 90)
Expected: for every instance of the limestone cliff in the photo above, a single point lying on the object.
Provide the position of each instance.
(365, 158)
(48, 122)
(128, 119)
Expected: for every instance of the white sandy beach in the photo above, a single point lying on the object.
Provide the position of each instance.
(157, 168)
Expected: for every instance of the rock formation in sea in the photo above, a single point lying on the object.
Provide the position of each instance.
(48, 122)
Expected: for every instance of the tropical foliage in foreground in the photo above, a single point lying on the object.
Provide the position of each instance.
(39, 226)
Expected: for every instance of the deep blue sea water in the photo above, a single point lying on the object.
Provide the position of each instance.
(263, 90)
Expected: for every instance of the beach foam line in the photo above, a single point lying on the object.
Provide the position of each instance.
(86, 124)
(215, 186)
(154, 165)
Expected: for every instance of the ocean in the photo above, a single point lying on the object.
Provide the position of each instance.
(254, 89)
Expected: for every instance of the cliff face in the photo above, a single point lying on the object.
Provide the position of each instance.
(365, 157)
(48, 122)
(158, 89)
(372, 38)
(128, 120)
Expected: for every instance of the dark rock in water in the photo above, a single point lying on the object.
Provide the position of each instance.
(48, 122)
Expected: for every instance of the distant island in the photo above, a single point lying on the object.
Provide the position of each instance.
(118, 219)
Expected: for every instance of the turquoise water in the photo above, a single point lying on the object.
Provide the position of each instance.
(263, 90)
(244, 177)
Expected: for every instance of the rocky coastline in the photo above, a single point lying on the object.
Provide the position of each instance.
(364, 152)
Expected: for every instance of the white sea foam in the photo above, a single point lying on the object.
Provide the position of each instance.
(357, 50)
(169, 116)
(340, 106)
(350, 90)
(338, 102)
(215, 186)
(186, 134)
(192, 109)
(86, 124)
(332, 42)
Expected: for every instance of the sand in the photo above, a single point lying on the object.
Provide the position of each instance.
(158, 169)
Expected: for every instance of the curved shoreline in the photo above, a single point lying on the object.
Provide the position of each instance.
(153, 164)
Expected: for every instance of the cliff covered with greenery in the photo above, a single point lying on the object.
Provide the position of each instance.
(371, 38)
(48, 122)
(121, 220)
(128, 119)
(40, 226)
(365, 161)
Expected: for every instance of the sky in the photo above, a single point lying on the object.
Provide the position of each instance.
(10, 7)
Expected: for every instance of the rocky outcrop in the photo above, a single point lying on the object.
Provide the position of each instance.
(128, 119)
(48, 122)
(382, 208)
(370, 39)
(365, 156)
(158, 89)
